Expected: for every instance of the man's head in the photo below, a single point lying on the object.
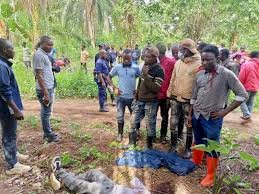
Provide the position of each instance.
(102, 54)
(162, 49)
(126, 56)
(187, 48)
(6, 49)
(100, 46)
(254, 54)
(150, 56)
(200, 46)
(223, 45)
(46, 44)
(148, 44)
(83, 47)
(209, 57)
(136, 46)
(175, 51)
(223, 54)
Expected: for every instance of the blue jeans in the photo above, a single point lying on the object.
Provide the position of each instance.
(121, 104)
(46, 111)
(9, 127)
(101, 94)
(141, 110)
(209, 129)
(247, 106)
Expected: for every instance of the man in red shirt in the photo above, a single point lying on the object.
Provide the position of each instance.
(249, 77)
(167, 64)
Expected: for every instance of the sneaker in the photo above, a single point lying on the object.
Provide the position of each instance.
(18, 169)
(56, 163)
(54, 182)
(52, 138)
(22, 157)
(103, 110)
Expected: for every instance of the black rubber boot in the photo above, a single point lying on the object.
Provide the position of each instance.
(150, 140)
(120, 132)
(132, 138)
(188, 153)
(174, 136)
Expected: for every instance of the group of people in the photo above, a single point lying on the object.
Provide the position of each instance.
(194, 82)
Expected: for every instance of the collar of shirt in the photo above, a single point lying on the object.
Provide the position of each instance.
(216, 70)
(9, 63)
(43, 51)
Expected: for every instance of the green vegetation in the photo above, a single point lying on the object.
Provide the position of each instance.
(229, 180)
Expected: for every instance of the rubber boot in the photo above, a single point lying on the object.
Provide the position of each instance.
(133, 138)
(163, 133)
(120, 132)
(150, 140)
(212, 164)
(197, 156)
(173, 141)
(187, 153)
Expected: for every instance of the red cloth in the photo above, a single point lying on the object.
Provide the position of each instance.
(167, 64)
(60, 63)
(249, 75)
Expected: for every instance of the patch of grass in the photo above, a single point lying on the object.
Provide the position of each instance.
(67, 159)
(80, 135)
(56, 123)
(74, 126)
(93, 153)
(30, 121)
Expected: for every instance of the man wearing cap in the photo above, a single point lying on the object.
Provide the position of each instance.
(180, 90)
(135, 54)
(151, 79)
(167, 64)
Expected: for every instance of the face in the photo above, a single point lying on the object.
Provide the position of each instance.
(149, 59)
(175, 51)
(242, 49)
(9, 51)
(185, 52)
(209, 61)
(47, 46)
(136, 47)
(126, 58)
(103, 54)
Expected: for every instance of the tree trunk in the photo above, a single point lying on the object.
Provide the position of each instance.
(90, 20)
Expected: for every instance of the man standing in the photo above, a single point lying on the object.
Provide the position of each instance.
(26, 56)
(163, 102)
(180, 90)
(249, 77)
(10, 109)
(211, 87)
(102, 71)
(127, 74)
(175, 54)
(146, 103)
(45, 85)
(224, 57)
(136, 55)
(84, 58)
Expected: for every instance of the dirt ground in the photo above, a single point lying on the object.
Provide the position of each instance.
(82, 115)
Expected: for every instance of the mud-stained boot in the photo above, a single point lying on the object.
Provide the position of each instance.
(173, 145)
(187, 153)
(150, 140)
(120, 132)
(133, 138)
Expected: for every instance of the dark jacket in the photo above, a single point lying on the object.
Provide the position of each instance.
(149, 86)
(8, 88)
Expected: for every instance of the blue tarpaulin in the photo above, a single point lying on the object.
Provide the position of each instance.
(156, 159)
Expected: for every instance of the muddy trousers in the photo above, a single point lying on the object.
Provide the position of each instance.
(93, 181)
(179, 110)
